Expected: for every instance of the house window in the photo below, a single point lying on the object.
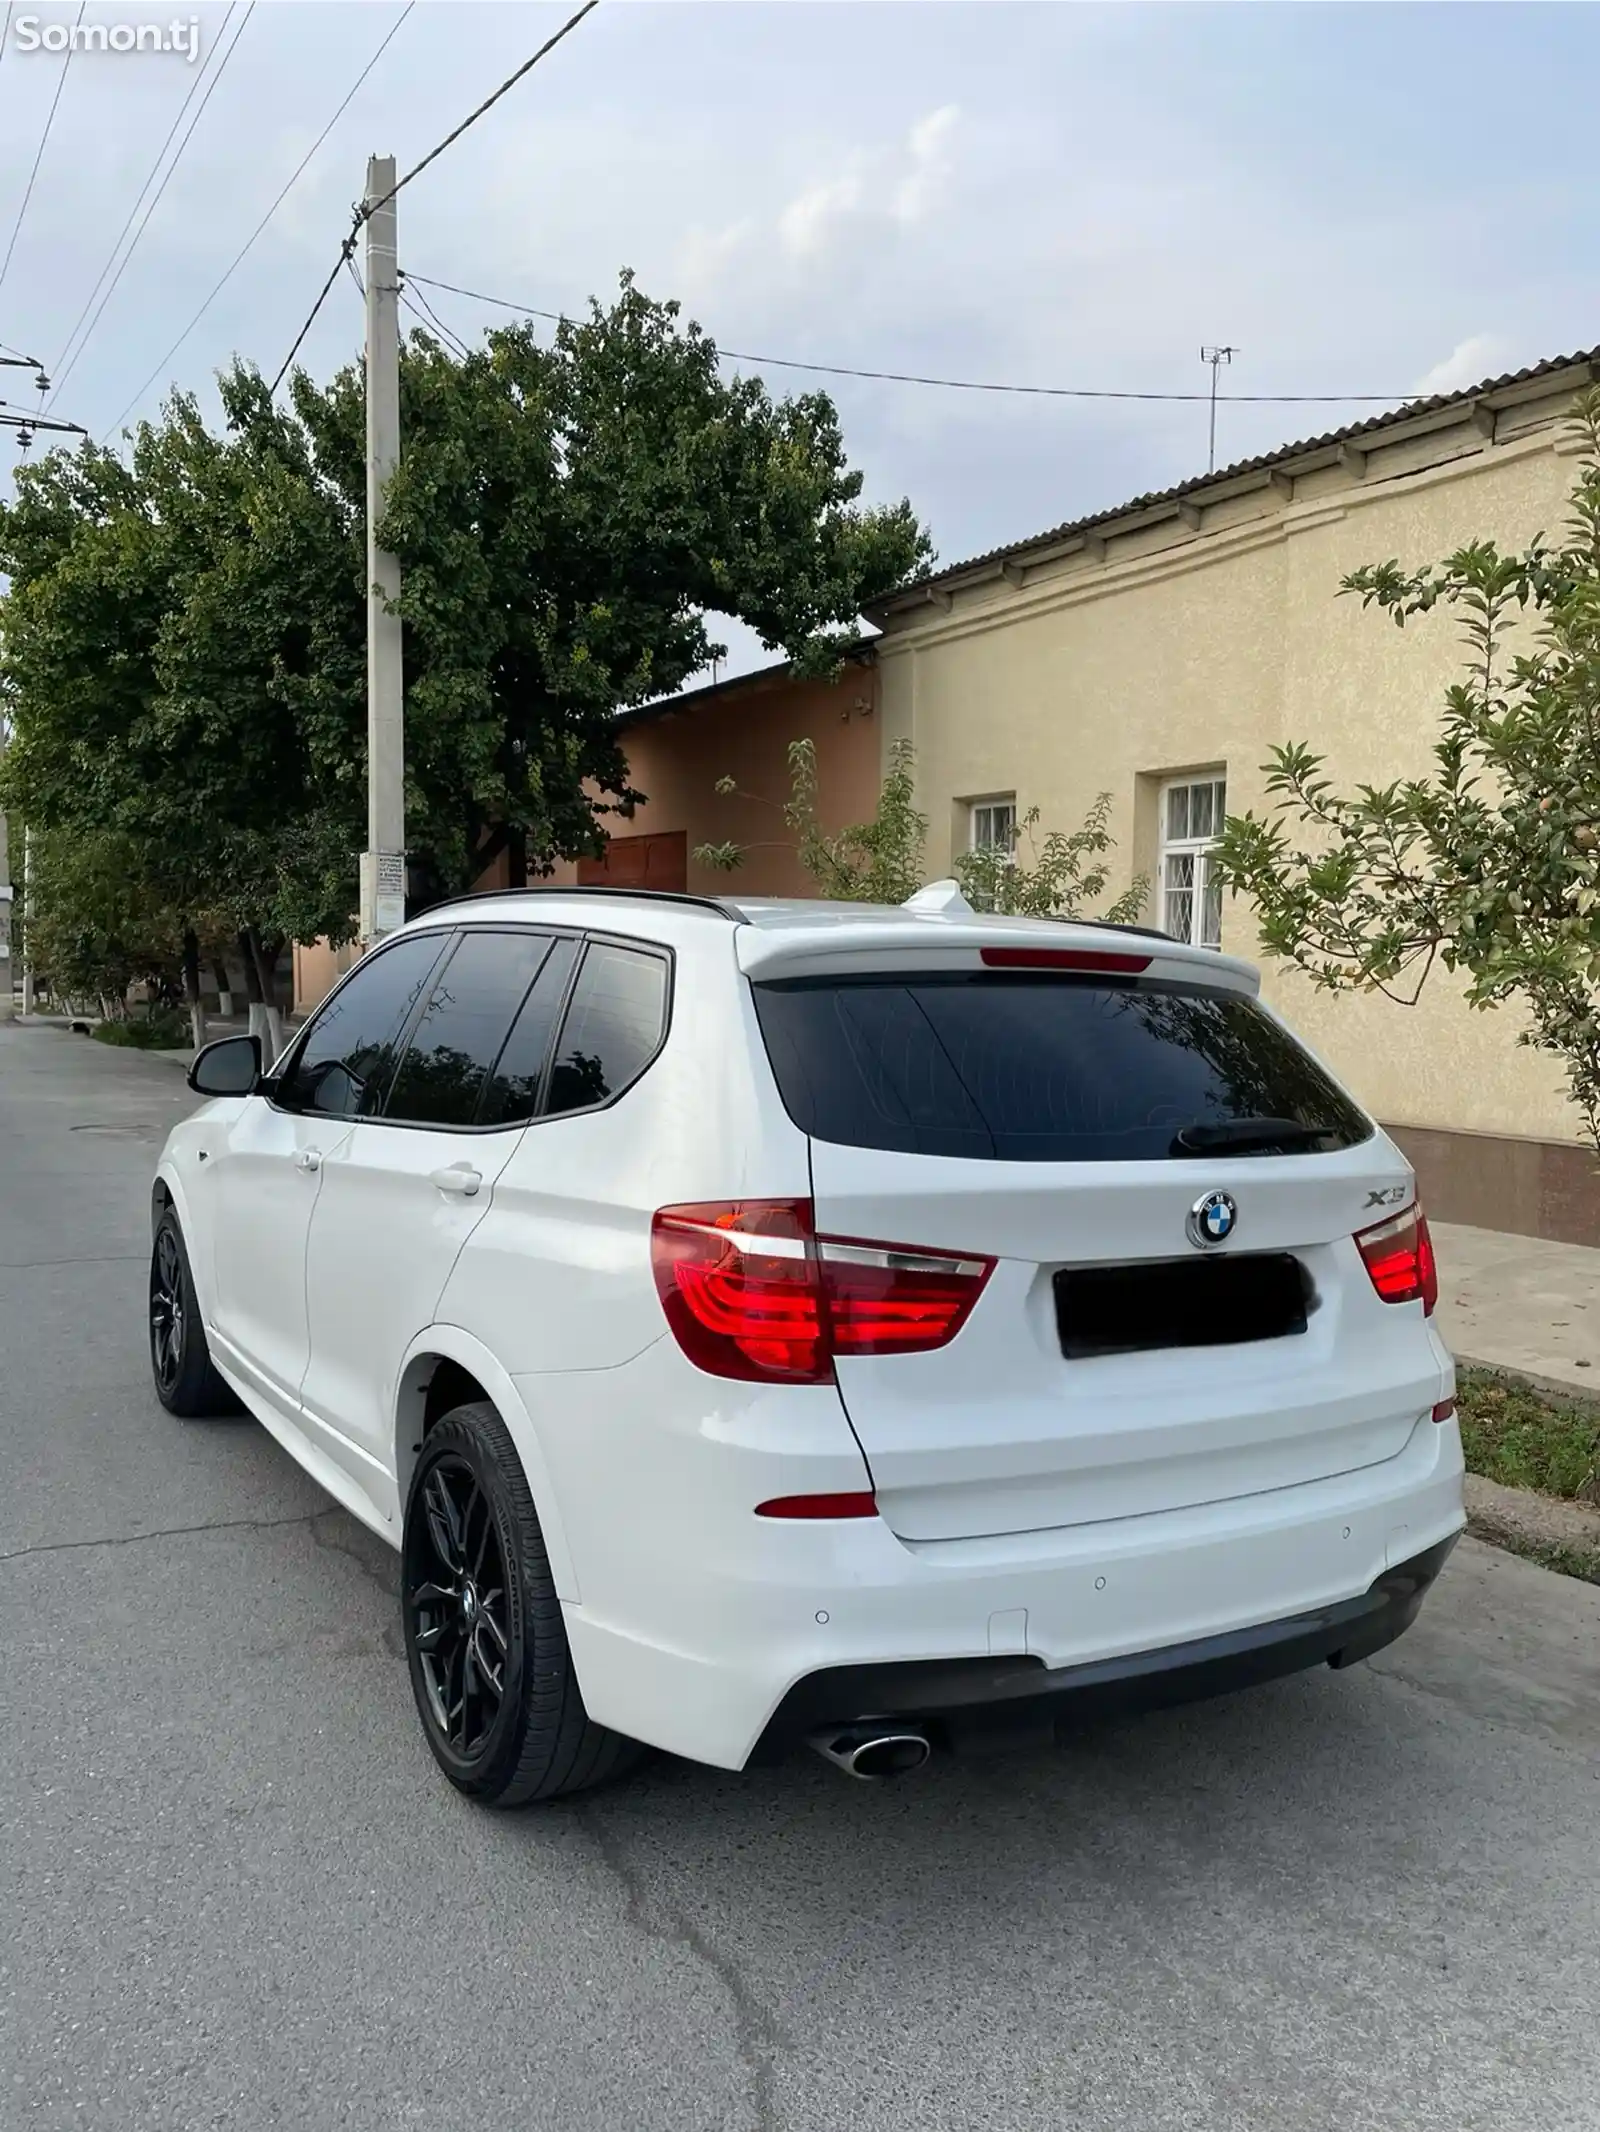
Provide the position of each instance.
(1191, 895)
(994, 824)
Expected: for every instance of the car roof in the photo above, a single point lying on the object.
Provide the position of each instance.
(795, 935)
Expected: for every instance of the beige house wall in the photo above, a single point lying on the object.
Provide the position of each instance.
(1184, 645)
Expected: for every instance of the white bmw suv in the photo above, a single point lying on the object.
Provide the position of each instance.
(765, 1322)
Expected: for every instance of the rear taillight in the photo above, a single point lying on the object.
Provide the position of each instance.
(751, 1291)
(1398, 1255)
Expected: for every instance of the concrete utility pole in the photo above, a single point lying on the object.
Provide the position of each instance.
(383, 864)
(6, 964)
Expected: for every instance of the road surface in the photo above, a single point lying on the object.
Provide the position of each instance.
(239, 1894)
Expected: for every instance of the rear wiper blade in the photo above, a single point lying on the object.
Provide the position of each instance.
(1242, 1134)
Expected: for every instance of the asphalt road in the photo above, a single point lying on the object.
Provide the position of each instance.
(235, 1891)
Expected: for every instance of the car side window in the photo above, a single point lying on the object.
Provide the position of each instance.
(343, 1066)
(473, 1002)
(612, 1028)
(511, 1093)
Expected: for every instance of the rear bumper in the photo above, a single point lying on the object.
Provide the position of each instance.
(977, 1702)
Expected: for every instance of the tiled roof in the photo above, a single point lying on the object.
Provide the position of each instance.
(1407, 411)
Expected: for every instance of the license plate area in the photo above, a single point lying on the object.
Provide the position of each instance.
(1220, 1302)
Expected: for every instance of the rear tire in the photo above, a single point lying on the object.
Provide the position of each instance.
(187, 1383)
(487, 1650)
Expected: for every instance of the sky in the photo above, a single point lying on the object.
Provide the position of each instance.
(1361, 199)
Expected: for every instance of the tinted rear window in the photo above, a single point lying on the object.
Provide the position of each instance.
(1037, 1069)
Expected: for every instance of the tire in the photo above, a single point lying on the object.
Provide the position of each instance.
(187, 1383)
(485, 1643)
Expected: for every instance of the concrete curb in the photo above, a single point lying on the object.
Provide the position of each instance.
(1518, 1519)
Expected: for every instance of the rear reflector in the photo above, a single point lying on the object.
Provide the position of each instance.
(1108, 964)
(1398, 1255)
(819, 1506)
(1445, 1410)
(752, 1292)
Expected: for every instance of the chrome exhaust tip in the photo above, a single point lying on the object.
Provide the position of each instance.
(871, 1752)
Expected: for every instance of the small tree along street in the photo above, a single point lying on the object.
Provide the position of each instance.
(183, 650)
(1491, 865)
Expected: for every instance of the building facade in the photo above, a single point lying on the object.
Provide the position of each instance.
(1158, 652)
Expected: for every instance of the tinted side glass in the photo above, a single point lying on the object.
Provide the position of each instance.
(1032, 1069)
(512, 1092)
(349, 1054)
(612, 1029)
(468, 1017)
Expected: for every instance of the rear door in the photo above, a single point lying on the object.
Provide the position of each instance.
(406, 1189)
(1076, 1131)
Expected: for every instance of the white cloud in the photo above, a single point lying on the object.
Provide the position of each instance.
(1480, 356)
(804, 224)
(930, 162)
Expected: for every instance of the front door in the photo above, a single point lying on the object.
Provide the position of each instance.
(271, 1163)
(266, 1175)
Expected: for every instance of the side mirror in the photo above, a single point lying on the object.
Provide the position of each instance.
(230, 1067)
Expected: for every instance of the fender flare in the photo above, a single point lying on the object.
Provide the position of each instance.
(455, 1344)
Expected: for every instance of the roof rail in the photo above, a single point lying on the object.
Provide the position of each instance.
(629, 895)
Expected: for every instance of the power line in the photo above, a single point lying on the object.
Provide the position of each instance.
(155, 198)
(488, 104)
(194, 89)
(346, 254)
(905, 377)
(244, 249)
(61, 83)
(369, 208)
(420, 307)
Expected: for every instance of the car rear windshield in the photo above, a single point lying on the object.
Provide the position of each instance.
(1026, 1068)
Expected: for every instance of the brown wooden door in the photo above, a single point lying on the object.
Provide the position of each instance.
(659, 861)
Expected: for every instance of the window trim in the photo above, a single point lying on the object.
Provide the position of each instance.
(1193, 847)
(290, 1061)
(660, 953)
(585, 939)
(991, 801)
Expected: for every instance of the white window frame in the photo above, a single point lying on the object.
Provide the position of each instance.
(991, 806)
(1197, 850)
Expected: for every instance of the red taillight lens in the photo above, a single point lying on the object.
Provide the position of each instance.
(739, 1286)
(1398, 1255)
(751, 1292)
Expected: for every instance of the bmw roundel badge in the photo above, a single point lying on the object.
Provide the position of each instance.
(1212, 1220)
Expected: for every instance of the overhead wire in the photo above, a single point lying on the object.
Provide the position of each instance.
(155, 198)
(420, 307)
(905, 377)
(289, 185)
(368, 208)
(488, 104)
(195, 87)
(44, 138)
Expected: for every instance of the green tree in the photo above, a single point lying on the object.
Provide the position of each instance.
(566, 517)
(182, 644)
(1489, 866)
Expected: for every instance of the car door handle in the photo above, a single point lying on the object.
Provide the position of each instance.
(460, 1179)
(309, 1159)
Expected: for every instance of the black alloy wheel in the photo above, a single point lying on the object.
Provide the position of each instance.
(458, 1608)
(187, 1383)
(487, 1649)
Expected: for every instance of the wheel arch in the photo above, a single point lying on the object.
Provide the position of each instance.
(465, 1365)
